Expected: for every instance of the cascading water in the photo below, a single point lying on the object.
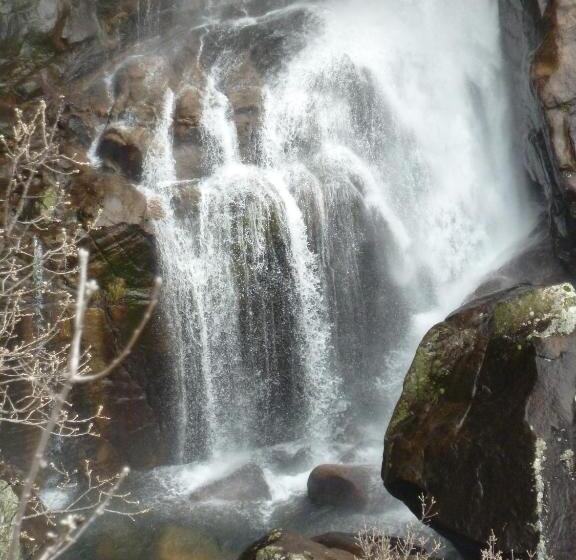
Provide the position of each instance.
(359, 195)
(238, 271)
(384, 189)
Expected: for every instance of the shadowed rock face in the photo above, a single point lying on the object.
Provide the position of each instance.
(486, 420)
(540, 45)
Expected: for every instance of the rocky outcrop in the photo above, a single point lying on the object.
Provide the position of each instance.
(553, 76)
(541, 50)
(123, 262)
(103, 57)
(485, 423)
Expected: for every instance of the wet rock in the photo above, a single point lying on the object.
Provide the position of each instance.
(139, 89)
(341, 541)
(269, 42)
(246, 484)
(292, 463)
(354, 487)
(186, 200)
(188, 137)
(123, 262)
(291, 546)
(541, 49)
(534, 265)
(350, 542)
(81, 22)
(244, 91)
(179, 543)
(489, 402)
(122, 150)
(188, 115)
(111, 200)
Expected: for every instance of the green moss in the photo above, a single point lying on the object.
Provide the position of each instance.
(445, 362)
(441, 370)
(419, 384)
(116, 290)
(48, 201)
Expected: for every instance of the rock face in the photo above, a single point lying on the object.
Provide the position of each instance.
(101, 57)
(486, 423)
(553, 76)
(541, 49)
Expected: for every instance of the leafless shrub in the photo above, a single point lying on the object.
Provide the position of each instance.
(41, 324)
(414, 545)
(37, 256)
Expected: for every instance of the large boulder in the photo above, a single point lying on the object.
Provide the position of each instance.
(245, 484)
(287, 545)
(354, 487)
(486, 424)
(121, 539)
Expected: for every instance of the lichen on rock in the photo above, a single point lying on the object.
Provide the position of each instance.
(539, 312)
(489, 389)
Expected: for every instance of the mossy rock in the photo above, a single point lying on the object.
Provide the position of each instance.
(485, 385)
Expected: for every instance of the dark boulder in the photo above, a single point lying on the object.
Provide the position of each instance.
(486, 424)
(355, 487)
(291, 546)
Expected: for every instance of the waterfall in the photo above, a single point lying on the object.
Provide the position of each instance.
(238, 272)
(381, 186)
